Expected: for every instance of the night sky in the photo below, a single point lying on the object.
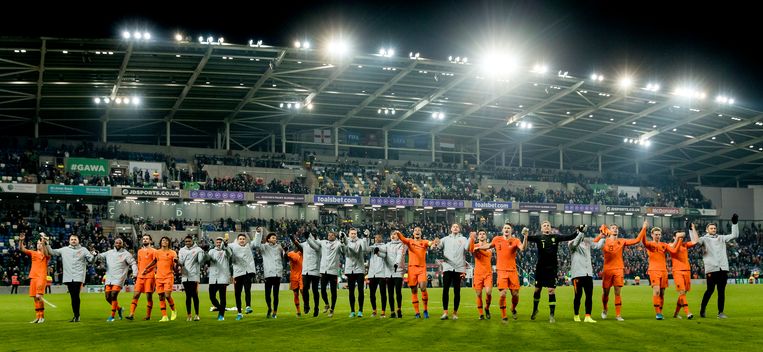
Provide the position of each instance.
(712, 46)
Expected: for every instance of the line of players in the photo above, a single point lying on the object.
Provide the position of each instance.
(313, 260)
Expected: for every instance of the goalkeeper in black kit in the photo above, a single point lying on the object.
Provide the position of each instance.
(547, 266)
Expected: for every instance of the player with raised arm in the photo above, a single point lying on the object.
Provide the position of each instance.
(37, 274)
(507, 247)
(679, 256)
(483, 272)
(219, 274)
(547, 266)
(146, 281)
(75, 259)
(454, 247)
(417, 267)
(166, 262)
(716, 263)
(295, 274)
(378, 274)
(658, 269)
(311, 266)
(243, 271)
(355, 270)
(395, 265)
(613, 264)
(330, 250)
(190, 258)
(581, 271)
(118, 261)
(272, 261)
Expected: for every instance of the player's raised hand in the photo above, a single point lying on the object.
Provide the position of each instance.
(258, 229)
(734, 219)
(525, 231)
(22, 236)
(582, 228)
(472, 235)
(646, 224)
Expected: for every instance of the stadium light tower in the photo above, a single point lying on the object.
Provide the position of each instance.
(339, 47)
(499, 63)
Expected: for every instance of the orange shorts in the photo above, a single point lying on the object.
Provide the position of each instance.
(164, 285)
(416, 275)
(37, 287)
(482, 280)
(682, 279)
(295, 282)
(658, 278)
(508, 279)
(613, 277)
(111, 288)
(145, 285)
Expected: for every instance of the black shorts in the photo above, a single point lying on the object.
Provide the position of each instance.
(545, 278)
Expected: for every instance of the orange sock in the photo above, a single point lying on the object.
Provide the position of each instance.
(685, 303)
(133, 305)
(662, 302)
(479, 304)
(296, 300)
(502, 306)
(415, 301)
(618, 304)
(163, 307)
(487, 301)
(605, 301)
(656, 303)
(425, 297)
(39, 309)
(114, 307)
(149, 307)
(514, 302)
(171, 302)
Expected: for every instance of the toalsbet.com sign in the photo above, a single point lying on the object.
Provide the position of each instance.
(151, 193)
(336, 200)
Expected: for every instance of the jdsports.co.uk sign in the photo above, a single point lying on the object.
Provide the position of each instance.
(151, 193)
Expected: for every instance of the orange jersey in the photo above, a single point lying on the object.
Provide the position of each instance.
(656, 252)
(417, 251)
(165, 260)
(679, 255)
(39, 269)
(482, 259)
(613, 250)
(295, 265)
(146, 255)
(506, 252)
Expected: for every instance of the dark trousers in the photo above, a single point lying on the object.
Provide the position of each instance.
(381, 284)
(243, 282)
(581, 284)
(330, 280)
(395, 289)
(191, 289)
(354, 280)
(272, 284)
(74, 289)
(308, 282)
(715, 279)
(451, 278)
(222, 303)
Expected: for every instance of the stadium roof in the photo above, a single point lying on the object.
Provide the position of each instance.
(198, 87)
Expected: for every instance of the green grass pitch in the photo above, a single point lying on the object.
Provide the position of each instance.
(639, 331)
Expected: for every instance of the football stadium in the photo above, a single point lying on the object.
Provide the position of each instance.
(179, 189)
